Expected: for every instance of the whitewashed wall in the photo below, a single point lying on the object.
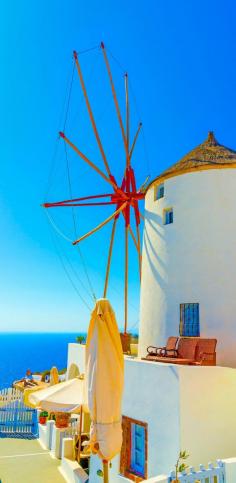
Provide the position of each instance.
(151, 395)
(191, 260)
(76, 355)
(190, 408)
(207, 413)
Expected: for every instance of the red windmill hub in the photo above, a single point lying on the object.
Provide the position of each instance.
(124, 197)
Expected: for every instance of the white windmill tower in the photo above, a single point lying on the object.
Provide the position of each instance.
(189, 251)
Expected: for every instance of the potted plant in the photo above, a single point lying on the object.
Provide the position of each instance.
(80, 339)
(179, 467)
(43, 417)
(62, 419)
(125, 342)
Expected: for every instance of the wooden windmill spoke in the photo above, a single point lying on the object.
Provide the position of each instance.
(116, 102)
(91, 114)
(73, 201)
(98, 227)
(68, 204)
(139, 251)
(133, 145)
(135, 140)
(133, 237)
(124, 196)
(90, 163)
(109, 256)
(127, 115)
(143, 186)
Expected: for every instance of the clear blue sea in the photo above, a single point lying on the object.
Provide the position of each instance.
(34, 351)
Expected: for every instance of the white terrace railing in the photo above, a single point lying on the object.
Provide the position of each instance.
(10, 394)
(212, 474)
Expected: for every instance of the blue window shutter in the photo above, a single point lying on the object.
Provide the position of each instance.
(160, 192)
(189, 320)
(168, 216)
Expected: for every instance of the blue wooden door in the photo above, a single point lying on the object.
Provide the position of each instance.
(138, 448)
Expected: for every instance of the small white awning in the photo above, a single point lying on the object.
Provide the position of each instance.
(66, 396)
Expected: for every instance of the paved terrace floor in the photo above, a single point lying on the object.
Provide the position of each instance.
(24, 461)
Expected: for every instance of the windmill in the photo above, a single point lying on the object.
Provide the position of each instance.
(124, 195)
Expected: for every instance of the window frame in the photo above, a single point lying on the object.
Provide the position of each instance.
(183, 324)
(167, 211)
(126, 467)
(159, 187)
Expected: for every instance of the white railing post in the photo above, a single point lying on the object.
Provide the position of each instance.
(210, 474)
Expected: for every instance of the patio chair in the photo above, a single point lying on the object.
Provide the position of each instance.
(168, 350)
(206, 352)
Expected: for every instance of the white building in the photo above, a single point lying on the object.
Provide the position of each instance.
(189, 259)
(188, 288)
(179, 408)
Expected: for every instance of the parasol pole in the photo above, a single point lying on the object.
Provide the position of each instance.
(109, 256)
(80, 432)
(105, 471)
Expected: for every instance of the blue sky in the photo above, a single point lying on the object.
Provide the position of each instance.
(181, 62)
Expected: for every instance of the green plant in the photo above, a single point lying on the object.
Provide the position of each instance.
(80, 339)
(43, 414)
(180, 467)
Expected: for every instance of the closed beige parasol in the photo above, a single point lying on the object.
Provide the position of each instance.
(104, 376)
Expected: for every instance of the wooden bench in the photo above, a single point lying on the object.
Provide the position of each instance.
(193, 351)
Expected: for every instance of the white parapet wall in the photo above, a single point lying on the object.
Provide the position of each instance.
(185, 408)
(207, 413)
(228, 465)
(76, 357)
(43, 437)
(70, 469)
(157, 479)
(230, 470)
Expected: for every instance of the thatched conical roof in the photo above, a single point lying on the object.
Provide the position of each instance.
(208, 155)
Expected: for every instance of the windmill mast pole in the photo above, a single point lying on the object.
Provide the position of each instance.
(127, 211)
(126, 278)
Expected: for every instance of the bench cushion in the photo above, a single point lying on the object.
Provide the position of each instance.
(187, 348)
